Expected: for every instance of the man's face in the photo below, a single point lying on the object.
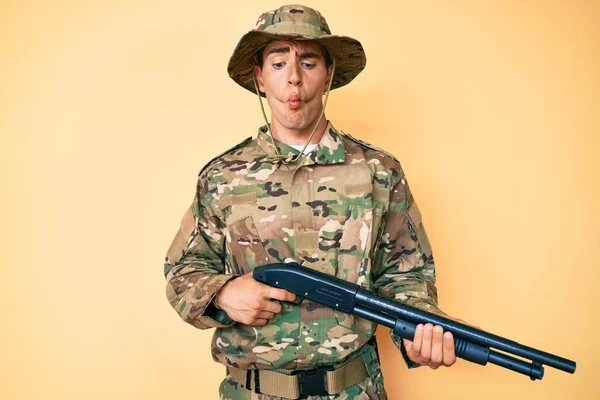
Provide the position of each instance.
(294, 77)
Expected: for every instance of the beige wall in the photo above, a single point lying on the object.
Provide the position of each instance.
(108, 110)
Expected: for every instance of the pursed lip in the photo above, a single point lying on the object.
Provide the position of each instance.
(294, 101)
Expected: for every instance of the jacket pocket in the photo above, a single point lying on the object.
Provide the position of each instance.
(357, 241)
(245, 249)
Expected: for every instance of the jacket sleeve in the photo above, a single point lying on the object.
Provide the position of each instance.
(194, 267)
(403, 267)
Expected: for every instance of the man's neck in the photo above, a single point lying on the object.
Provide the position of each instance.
(298, 137)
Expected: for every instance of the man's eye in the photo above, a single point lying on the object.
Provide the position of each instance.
(278, 65)
(308, 65)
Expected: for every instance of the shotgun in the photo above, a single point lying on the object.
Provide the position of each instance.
(470, 344)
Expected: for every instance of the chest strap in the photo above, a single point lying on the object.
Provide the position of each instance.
(302, 383)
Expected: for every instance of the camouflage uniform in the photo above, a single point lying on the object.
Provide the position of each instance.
(344, 209)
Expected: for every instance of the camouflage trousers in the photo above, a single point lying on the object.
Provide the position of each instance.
(371, 388)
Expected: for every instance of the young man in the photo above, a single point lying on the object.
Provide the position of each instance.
(301, 191)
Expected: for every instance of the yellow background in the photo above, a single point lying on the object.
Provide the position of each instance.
(108, 109)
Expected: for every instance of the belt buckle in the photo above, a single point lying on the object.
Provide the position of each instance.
(312, 381)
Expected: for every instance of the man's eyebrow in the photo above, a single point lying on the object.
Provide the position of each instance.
(305, 54)
(279, 50)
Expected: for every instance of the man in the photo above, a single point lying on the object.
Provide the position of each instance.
(301, 191)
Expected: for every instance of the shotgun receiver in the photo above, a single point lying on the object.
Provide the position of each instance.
(471, 344)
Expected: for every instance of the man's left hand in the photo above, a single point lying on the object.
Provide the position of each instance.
(431, 346)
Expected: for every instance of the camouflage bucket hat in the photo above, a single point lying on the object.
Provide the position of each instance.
(295, 22)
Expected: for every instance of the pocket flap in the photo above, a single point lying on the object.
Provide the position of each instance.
(235, 199)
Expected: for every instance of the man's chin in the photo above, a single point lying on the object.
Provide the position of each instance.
(297, 121)
(297, 125)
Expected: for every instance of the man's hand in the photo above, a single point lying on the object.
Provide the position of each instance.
(250, 302)
(431, 346)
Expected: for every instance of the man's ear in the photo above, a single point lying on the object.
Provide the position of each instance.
(259, 79)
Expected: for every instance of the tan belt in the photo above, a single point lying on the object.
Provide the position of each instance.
(302, 383)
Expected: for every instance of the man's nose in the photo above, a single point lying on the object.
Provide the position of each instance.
(294, 78)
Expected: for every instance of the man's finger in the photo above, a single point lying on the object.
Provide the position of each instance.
(437, 350)
(415, 350)
(280, 294)
(265, 315)
(449, 351)
(272, 306)
(259, 321)
(426, 345)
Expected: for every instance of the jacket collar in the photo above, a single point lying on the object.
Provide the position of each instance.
(329, 150)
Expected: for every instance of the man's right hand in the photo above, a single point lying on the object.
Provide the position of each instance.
(250, 302)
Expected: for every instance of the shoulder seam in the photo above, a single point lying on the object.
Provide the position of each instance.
(370, 146)
(237, 146)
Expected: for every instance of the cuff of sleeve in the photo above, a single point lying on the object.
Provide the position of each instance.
(212, 316)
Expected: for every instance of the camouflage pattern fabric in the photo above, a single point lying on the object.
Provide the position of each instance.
(295, 22)
(344, 209)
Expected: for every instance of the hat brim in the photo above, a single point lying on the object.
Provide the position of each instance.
(349, 56)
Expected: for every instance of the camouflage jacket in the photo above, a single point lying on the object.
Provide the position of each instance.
(344, 209)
